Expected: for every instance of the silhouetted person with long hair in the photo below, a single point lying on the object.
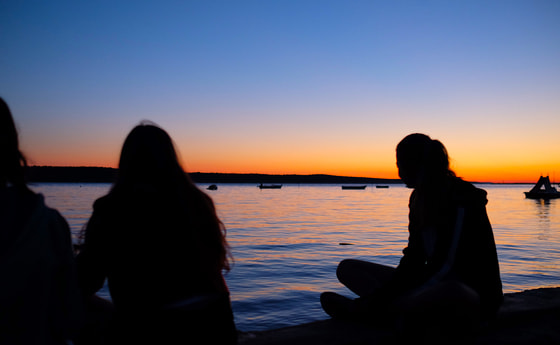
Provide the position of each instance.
(39, 297)
(448, 280)
(157, 239)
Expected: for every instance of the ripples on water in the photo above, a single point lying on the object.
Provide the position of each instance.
(527, 235)
(287, 242)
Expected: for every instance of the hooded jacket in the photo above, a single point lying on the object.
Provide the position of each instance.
(450, 238)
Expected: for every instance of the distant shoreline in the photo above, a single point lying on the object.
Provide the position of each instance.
(108, 175)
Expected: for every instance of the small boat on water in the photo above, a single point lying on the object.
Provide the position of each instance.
(270, 186)
(212, 187)
(354, 187)
(543, 190)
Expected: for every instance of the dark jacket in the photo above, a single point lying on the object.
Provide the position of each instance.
(39, 297)
(451, 238)
(140, 244)
(163, 280)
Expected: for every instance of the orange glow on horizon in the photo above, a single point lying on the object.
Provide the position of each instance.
(505, 175)
(509, 173)
(356, 165)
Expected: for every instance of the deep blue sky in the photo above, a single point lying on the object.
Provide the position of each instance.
(286, 86)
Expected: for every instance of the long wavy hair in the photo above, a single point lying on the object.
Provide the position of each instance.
(12, 161)
(148, 158)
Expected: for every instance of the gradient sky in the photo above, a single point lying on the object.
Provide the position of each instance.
(288, 86)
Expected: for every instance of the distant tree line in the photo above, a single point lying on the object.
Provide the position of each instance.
(108, 175)
(291, 179)
(70, 174)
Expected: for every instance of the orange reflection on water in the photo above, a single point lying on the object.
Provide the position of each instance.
(527, 234)
(287, 243)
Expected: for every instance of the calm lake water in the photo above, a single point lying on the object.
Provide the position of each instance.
(287, 242)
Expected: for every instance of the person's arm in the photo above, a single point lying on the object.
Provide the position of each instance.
(69, 317)
(478, 263)
(91, 261)
(414, 256)
(411, 265)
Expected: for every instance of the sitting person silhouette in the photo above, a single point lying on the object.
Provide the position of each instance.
(39, 298)
(157, 239)
(448, 280)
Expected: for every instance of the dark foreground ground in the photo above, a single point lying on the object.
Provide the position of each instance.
(528, 317)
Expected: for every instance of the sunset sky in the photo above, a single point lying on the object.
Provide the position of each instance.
(288, 86)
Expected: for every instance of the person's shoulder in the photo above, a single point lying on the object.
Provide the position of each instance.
(24, 202)
(103, 202)
(23, 196)
(465, 192)
(47, 214)
(461, 185)
(38, 200)
(53, 212)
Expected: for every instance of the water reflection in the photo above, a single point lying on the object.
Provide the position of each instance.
(543, 213)
(543, 207)
(73, 200)
(527, 233)
(286, 242)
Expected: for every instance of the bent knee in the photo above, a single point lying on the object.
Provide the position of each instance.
(463, 292)
(345, 267)
(445, 295)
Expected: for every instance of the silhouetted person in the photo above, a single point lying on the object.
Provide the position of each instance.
(39, 297)
(157, 239)
(448, 279)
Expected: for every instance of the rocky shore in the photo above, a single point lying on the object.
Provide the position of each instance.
(528, 317)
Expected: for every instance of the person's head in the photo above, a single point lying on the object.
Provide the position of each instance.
(148, 157)
(12, 162)
(422, 160)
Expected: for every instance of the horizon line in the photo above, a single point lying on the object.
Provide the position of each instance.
(394, 180)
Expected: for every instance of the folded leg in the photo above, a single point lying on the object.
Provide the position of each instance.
(363, 277)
